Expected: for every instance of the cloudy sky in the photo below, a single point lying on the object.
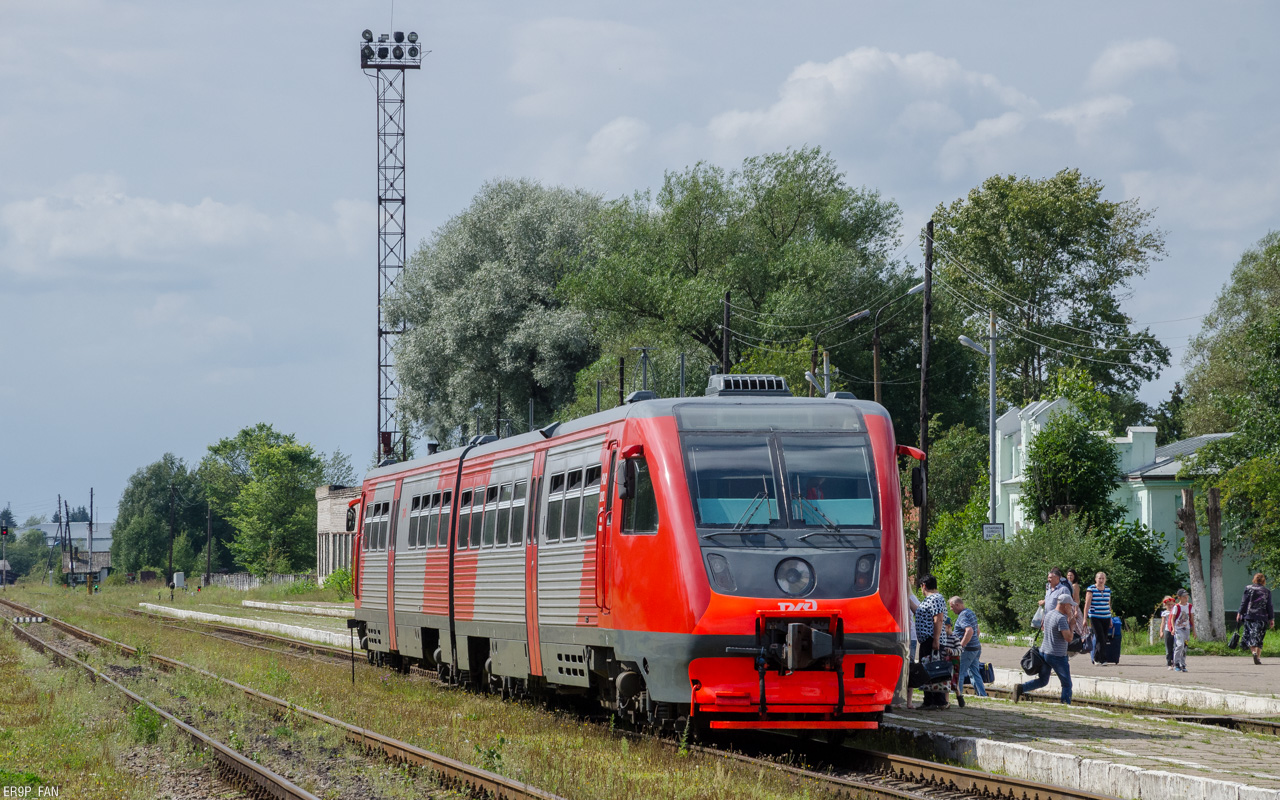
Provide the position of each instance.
(187, 228)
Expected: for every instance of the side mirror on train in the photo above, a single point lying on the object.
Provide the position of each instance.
(351, 518)
(917, 486)
(626, 479)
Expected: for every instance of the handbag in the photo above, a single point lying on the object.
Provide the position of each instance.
(924, 673)
(1033, 659)
(1235, 641)
(988, 672)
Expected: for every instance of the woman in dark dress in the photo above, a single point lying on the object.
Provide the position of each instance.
(1256, 615)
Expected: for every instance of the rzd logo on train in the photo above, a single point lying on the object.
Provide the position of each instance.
(803, 605)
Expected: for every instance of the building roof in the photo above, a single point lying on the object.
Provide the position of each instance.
(1169, 458)
(80, 530)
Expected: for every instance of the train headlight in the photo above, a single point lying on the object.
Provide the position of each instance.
(794, 576)
(721, 577)
(864, 573)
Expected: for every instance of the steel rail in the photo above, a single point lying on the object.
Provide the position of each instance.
(234, 768)
(451, 772)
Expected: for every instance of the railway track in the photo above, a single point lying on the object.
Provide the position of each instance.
(849, 772)
(258, 780)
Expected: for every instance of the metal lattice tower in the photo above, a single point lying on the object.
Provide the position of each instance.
(388, 58)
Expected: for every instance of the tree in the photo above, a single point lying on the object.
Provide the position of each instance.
(6, 516)
(141, 533)
(798, 250)
(1168, 417)
(274, 515)
(263, 483)
(958, 462)
(33, 521)
(1071, 470)
(1246, 466)
(1218, 360)
(1055, 261)
(483, 324)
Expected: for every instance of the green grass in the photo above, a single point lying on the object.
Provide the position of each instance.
(555, 751)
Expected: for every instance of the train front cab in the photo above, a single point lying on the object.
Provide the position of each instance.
(788, 552)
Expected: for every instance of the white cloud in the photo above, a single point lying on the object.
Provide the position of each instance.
(982, 148)
(1194, 201)
(188, 326)
(568, 63)
(859, 89)
(611, 150)
(1091, 116)
(93, 219)
(1123, 60)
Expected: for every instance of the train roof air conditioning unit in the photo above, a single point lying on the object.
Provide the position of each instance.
(747, 385)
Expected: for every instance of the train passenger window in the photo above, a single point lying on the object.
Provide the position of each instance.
(590, 502)
(432, 520)
(464, 520)
(555, 507)
(518, 515)
(640, 513)
(572, 506)
(368, 526)
(490, 517)
(477, 516)
(446, 509)
(414, 507)
(504, 515)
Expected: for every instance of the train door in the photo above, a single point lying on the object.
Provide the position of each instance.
(531, 565)
(604, 528)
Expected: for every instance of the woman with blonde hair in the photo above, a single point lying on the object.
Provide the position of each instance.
(1256, 615)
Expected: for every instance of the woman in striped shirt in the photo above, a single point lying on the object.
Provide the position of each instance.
(1098, 602)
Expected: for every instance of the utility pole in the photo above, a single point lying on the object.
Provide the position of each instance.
(89, 582)
(71, 545)
(622, 380)
(682, 373)
(172, 490)
(208, 546)
(497, 416)
(724, 336)
(922, 546)
(599, 386)
(991, 411)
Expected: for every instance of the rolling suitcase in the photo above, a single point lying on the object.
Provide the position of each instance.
(1111, 652)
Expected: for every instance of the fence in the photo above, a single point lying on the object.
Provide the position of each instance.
(245, 580)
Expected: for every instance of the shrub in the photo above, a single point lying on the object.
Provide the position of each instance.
(950, 534)
(145, 724)
(1137, 590)
(340, 581)
(305, 586)
(117, 578)
(1004, 583)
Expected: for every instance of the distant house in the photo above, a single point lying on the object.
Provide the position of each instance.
(333, 541)
(1150, 491)
(100, 564)
(5, 576)
(79, 531)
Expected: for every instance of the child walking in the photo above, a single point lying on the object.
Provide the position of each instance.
(1183, 628)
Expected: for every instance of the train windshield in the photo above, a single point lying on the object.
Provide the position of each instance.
(775, 488)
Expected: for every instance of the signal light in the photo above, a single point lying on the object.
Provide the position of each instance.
(4, 530)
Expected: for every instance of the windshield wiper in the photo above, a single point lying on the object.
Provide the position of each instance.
(826, 521)
(755, 503)
(873, 539)
(744, 532)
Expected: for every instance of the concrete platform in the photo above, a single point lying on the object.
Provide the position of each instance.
(283, 629)
(326, 610)
(1100, 751)
(1222, 684)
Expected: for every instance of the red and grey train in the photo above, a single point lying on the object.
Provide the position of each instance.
(735, 560)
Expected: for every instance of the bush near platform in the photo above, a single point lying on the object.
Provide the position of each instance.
(340, 581)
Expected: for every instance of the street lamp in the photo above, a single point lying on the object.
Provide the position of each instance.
(875, 338)
(990, 352)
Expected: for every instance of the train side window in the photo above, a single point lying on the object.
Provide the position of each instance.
(504, 515)
(490, 516)
(432, 516)
(590, 502)
(464, 520)
(572, 505)
(368, 526)
(518, 505)
(477, 515)
(640, 512)
(446, 510)
(414, 507)
(555, 506)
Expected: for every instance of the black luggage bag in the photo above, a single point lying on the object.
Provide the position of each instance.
(1110, 653)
